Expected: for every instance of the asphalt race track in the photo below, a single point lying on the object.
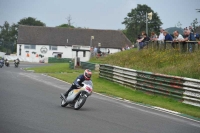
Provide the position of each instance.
(30, 103)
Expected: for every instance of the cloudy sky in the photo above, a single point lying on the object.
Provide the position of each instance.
(96, 14)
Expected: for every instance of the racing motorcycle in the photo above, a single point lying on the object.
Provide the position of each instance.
(16, 62)
(7, 63)
(77, 97)
(1, 63)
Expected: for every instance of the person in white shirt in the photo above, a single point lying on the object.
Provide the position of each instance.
(177, 36)
(161, 37)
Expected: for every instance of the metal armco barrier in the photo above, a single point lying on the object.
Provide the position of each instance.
(186, 90)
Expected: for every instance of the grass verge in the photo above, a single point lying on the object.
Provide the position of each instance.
(62, 71)
(170, 62)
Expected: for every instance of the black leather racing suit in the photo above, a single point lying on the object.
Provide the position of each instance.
(76, 84)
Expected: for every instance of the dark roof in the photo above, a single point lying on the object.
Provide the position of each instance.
(58, 36)
(172, 29)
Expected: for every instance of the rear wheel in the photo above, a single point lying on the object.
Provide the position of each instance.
(79, 102)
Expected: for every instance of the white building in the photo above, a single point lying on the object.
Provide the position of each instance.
(35, 42)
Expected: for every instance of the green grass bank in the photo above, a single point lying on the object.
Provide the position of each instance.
(170, 62)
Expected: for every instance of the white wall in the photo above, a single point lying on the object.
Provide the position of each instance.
(66, 50)
(2, 54)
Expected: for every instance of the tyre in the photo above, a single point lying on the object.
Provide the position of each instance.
(79, 102)
(16, 65)
(63, 103)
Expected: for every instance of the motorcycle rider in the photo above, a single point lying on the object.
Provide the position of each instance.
(2, 61)
(17, 61)
(5, 61)
(78, 82)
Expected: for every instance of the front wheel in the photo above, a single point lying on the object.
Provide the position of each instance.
(80, 102)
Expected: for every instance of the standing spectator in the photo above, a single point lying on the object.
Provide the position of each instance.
(190, 37)
(108, 51)
(184, 43)
(95, 49)
(191, 30)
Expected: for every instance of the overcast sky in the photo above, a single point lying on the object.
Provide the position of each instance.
(97, 14)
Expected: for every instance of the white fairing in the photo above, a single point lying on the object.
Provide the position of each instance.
(88, 86)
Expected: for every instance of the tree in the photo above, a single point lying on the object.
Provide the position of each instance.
(135, 22)
(31, 22)
(194, 24)
(8, 37)
(66, 26)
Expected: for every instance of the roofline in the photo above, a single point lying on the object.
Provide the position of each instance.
(69, 28)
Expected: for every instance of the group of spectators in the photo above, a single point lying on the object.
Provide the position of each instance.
(189, 35)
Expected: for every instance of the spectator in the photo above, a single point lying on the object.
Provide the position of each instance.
(184, 43)
(190, 37)
(191, 30)
(99, 51)
(186, 28)
(185, 35)
(95, 49)
(153, 36)
(168, 37)
(177, 36)
(143, 32)
(196, 35)
(127, 47)
(145, 40)
(139, 41)
(161, 37)
(108, 51)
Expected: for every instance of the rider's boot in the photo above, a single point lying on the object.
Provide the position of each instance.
(62, 96)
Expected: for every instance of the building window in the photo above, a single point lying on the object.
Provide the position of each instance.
(29, 47)
(52, 47)
(84, 53)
